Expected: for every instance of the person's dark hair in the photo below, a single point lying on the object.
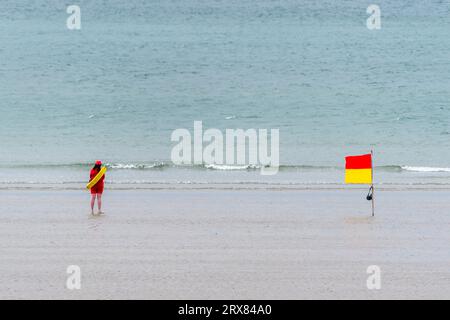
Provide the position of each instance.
(97, 167)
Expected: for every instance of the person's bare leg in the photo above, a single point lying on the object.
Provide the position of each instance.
(99, 203)
(92, 203)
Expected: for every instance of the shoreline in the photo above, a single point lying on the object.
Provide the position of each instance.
(224, 186)
(225, 244)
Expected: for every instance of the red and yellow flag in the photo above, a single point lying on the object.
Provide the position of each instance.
(358, 169)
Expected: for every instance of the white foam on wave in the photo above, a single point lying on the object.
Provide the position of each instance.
(425, 169)
(134, 166)
(228, 167)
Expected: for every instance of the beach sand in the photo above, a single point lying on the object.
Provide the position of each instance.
(225, 244)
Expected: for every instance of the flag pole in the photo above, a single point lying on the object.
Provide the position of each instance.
(373, 190)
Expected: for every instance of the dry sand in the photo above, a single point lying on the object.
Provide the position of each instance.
(224, 244)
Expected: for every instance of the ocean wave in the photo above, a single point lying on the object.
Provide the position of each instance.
(425, 169)
(163, 165)
(233, 167)
(158, 165)
(84, 165)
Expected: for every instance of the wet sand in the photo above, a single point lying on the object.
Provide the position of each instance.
(225, 244)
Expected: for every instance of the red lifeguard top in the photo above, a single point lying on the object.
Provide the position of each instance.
(98, 188)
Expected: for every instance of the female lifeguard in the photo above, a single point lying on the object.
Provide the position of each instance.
(97, 189)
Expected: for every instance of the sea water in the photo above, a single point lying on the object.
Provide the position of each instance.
(137, 70)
